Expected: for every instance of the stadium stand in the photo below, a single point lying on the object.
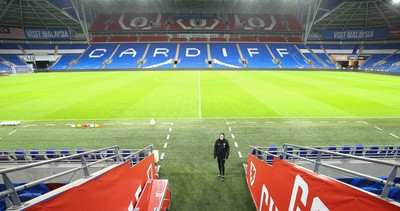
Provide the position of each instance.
(192, 55)
(160, 55)
(257, 55)
(225, 55)
(95, 56)
(127, 56)
(288, 55)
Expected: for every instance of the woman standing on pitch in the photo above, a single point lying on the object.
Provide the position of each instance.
(221, 152)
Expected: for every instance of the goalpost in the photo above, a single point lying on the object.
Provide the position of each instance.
(23, 69)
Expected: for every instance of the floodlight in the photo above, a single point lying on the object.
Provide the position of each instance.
(396, 1)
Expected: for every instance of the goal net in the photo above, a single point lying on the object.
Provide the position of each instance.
(23, 69)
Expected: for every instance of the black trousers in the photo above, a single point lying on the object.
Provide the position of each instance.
(221, 166)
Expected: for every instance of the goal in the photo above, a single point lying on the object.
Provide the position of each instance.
(23, 69)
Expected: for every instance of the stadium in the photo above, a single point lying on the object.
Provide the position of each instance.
(120, 104)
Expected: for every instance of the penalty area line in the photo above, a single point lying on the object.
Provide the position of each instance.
(162, 156)
(232, 136)
(240, 154)
(236, 144)
(165, 145)
(378, 128)
(394, 135)
(10, 133)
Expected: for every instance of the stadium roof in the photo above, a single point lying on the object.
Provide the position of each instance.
(360, 14)
(315, 15)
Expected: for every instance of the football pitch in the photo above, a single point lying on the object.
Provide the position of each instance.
(191, 108)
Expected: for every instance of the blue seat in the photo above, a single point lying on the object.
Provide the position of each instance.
(345, 149)
(314, 154)
(79, 151)
(302, 152)
(372, 152)
(273, 149)
(65, 152)
(387, 152)
(51, 153)
(36, 155)
(20, 154)
(394, 194)
(359, 150)
(330, 148)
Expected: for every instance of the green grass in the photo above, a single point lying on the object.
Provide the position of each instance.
(116, 95)
(262, 108)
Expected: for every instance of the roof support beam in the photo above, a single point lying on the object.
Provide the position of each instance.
(330, 12)
(82, 22)
(4, 11)
(63, 12)
(349, 7)
(310, 23)
(34, 11)
(352, 15)
(382, 14)
(22, 16)
(366, 16)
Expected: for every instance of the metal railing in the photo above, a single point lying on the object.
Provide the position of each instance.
(319, 161)
(10, 194)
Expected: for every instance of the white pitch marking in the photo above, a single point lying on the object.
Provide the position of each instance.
(251, 122)
(162, 156)
(236, 144)
(378, 128)
(270, 122)
(68, 124)
(394, 135)
(29, 126)
(170, 129)
(230, 129)
(165, 145)
(108, 124)
(12, 132)
(324, 122)
(168, 123)
(228, 123)
(287, 122)
(168, 137)
(199, 92)
(240, 154)
(50, 124)
(128, 123)
(232, 136)
(363, 122)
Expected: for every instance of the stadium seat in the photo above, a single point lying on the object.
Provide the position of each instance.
(273, 149)
(51, 153)
(327, 156)
(345, 149)
(314, 154)
(65, 152)
(5, 156)
(225, 55)
(359, 150)
(372, 152)
(302, 152)
(20, 154)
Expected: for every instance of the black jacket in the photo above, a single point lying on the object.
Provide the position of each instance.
(221, 149)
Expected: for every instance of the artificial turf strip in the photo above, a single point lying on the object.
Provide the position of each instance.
(194, 94)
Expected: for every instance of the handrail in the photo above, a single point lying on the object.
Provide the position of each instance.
(343, 155)
(54, 160)
(318, 162)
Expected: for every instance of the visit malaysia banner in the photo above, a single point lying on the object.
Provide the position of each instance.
(285, 186)
(116, 189)
(356, 34)
(47, 34)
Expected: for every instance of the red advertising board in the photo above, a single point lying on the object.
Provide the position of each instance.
(285, 186)
(117, 189)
